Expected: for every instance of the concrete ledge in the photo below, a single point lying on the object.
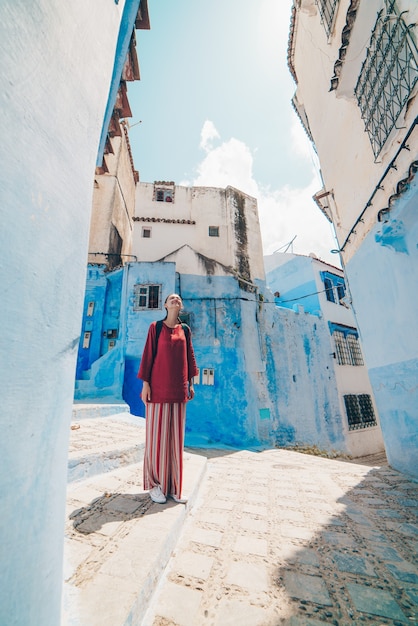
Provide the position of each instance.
(90, 411)
(102, 444)
(118, 543)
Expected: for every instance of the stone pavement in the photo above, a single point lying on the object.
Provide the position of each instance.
(267, 537)
(117, 541)
(279, 537)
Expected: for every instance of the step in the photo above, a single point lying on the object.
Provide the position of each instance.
(101, 444)
(84, 410)
(118, 543)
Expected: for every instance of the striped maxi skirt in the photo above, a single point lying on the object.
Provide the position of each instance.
(164, 444)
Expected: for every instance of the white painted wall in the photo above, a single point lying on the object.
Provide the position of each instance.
(205, 206)
(57, 62)
(113, 201)
(335, 118)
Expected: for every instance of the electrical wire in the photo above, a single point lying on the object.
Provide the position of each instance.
(308, 295)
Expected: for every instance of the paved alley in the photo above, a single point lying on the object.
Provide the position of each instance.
(278, 537)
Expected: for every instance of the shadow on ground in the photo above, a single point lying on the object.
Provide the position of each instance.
(114, 507)
(361, 567)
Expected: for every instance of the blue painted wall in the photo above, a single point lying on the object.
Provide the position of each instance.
(273, 369)
(54, 86)
(294, 280)
(383, 276)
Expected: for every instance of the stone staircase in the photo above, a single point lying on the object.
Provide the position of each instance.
(117, 541)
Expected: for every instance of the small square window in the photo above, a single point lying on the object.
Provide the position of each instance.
(146, 232)
(147, 297)
(164, 195)
(213, 231)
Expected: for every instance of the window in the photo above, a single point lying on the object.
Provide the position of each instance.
(164, 191)
(327, 11)
(388, 75)
(329, 290)
(147, 297)
(347, 345)
(163, 195)
(213, 231)
(146, 232)
(360, 413)
(334, 287)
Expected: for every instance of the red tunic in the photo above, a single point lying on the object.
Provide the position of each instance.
(173, 367)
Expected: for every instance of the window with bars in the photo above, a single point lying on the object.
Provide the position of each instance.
(388, 75)
(327, 11)
(360, 413)
(347, 347)
(147, 297)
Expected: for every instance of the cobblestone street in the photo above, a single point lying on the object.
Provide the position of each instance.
(280, 537)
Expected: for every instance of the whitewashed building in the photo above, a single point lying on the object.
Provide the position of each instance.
(61, 66)
(306, 282)
(221, 224)
(355, 64)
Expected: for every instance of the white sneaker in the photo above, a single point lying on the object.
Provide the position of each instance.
(157, 495)
(178, 500)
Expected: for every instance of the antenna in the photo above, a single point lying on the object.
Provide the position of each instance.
(286, 245)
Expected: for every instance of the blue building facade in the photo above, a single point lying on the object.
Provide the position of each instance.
(384, 299)
(266, 372)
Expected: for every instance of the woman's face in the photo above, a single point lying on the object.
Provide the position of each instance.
(173, 302)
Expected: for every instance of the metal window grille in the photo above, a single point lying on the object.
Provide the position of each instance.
(327, 10)
(341, 348)
(355, 350)
(347, 348)
(360, 413)
(388, 75)
(147, 297)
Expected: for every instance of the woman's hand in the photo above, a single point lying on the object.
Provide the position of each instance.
(191, 390)
(146, 392)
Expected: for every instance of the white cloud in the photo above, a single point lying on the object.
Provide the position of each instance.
(284, 213)
(229, 164)
(207, 135)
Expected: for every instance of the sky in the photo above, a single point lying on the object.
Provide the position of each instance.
(213, 108)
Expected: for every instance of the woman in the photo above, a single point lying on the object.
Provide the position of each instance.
(167, 369)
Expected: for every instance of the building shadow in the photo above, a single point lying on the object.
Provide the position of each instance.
(361, 566)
